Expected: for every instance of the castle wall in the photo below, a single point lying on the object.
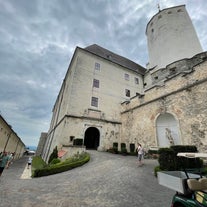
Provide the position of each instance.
(184, 97)
(75, 127)
(41, 143)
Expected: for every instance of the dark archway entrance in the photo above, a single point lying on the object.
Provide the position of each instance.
(91, 139)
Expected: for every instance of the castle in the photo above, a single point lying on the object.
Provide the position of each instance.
(106, 98)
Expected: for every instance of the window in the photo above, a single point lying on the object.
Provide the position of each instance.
(127, 92)
(109, 56)
(126, 76)
(95, 83)
(136, 80)
(71, 138)
(97, 66)
(94, 101)
(172, 70)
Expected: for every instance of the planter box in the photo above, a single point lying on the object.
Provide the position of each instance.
(175, 180)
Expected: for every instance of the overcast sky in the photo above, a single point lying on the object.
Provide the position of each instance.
(38, 38)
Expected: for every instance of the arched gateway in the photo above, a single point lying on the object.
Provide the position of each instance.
(91, 139)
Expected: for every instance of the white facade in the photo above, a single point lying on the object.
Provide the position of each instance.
(90, 76)
(171, 37)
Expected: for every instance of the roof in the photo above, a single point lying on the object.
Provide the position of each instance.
(106, 54)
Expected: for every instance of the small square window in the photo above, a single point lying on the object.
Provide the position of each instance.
(95, 83)
(136, 80)
(126, 76)
(97, 66)
(71, 138)
(127, 92)
(94, 101)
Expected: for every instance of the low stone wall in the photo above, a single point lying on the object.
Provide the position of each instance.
(72, 150)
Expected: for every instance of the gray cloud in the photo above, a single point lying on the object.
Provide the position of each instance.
(38, 38)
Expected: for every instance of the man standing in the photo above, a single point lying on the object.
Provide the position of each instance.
(4, 162)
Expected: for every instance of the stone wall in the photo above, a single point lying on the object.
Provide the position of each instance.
(9, 140)
(41, 143)
(184, 96)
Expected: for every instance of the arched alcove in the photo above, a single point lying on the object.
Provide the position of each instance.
(167, 130)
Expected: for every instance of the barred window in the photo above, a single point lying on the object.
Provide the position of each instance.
(95, 83)
(97, 66)
(126, 76)
(127, 92)
(136, 80)
(94, 101)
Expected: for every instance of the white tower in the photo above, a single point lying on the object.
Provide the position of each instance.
(171, 36)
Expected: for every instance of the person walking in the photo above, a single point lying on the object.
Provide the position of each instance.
(4, 162)
(29, 162)
(140, 152)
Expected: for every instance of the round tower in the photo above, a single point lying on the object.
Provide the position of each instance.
(171, 36)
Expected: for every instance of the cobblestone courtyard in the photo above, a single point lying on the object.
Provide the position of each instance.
(107, 180)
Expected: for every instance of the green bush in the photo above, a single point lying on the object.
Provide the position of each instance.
(166, 159)
(123, 151)
(55, 161)
(169, 160)
(115, 145)
(53, 155)
(78, 142)
(132, 147)
(68, 164)
(156, 169)
(37, 163)
(123, 145)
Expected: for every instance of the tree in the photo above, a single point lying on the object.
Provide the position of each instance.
(54, 155)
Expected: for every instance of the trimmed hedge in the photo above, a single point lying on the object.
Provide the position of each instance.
(115, 145)
(53, 155)
(123, 149)
(78, 142)
(61, 167)
(123, 145)
(168, 159)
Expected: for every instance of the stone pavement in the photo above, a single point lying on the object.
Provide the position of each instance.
(107, 180)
